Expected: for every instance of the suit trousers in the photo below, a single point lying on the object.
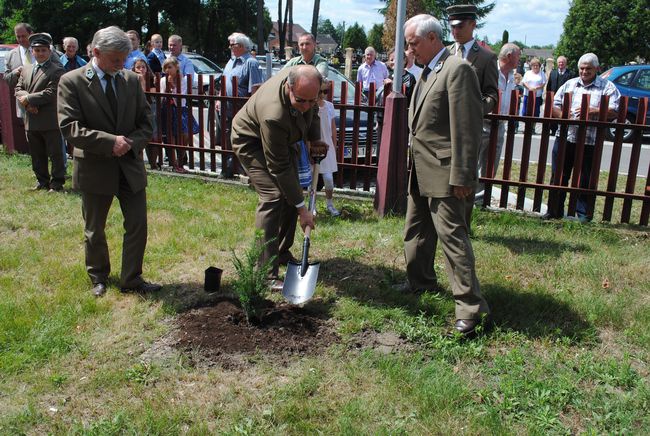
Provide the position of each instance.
(427, 221)
(44, 144)
(95, 209)
(274, 216)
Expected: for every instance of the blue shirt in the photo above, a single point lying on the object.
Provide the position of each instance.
(69, 65)
(132, 57)
(247, 71)
(185, 65)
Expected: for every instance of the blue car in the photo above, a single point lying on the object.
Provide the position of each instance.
(632, 81)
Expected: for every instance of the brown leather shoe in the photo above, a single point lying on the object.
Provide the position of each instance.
(470, 328)
(143, 288)
(406, 288)
(99, 289)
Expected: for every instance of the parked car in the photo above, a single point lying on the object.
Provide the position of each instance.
(338, 78)
(632, 81)
(205, 67)
(4, 50)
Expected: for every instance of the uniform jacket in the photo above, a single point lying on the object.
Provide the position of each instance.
(40, 88)
(87, 122)
(445, 120)
(265, 132)
(13, 61)
(555, 79)
(484, 63)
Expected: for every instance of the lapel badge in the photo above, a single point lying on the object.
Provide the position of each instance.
(438, 67)
(90, 73)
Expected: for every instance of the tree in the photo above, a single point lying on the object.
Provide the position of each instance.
(340, 32)
(355, 37)
(325, 27)
(616, 31)
(314, 18)
(374, 37)
(413, 7)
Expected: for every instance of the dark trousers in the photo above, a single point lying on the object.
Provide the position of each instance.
(95, 209)
(274, 216)
(585, 204)
(44, 144)
(536, 107)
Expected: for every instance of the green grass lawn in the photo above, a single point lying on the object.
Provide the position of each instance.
(570, 353)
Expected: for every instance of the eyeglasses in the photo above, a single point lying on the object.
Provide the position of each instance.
(235, 44)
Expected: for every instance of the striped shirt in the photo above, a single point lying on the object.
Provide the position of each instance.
(596, 89)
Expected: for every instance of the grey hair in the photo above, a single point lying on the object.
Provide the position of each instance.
(508, 49)
(25, 26)
(424, 24)
(562, 57)
(589, 58)
(304, 72)
(370, 49)
(240, 38)
(176, 38)
(111, 39)
(69, 39)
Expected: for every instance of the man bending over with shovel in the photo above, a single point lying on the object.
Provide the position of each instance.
(265, 133)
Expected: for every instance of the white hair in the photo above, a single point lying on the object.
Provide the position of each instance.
(240, 38)
(424, 24)
(589, 58)
(508, 49)
(68, 39)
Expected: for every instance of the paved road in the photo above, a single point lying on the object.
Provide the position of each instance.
(644, 160)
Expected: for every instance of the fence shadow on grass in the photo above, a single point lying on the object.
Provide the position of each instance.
(181, 297)
(537, 315)
(536, 246)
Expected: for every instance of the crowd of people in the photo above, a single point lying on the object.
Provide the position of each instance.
(100, 108)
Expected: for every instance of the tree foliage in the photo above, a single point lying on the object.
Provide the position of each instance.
(325, 27)
(355, 37)
(375, 37)
(413, 7)
(203, 24)
(616, 31)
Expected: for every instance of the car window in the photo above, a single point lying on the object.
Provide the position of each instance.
(204, 66)
(626, 79)
(643, 80)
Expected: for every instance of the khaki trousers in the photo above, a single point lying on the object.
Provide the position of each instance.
(427, 221)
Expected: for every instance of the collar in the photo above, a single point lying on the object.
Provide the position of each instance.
(468, 46)
(561, 71)
(595, 82)
(434, 62)
(99, 72)
(243, 57)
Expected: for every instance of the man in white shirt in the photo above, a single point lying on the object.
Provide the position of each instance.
(21, 55)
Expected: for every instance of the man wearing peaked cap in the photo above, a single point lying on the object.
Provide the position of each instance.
(36, 93)
(462, 21)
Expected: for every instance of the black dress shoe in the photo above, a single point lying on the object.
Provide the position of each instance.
(469, 328)
(143, 288)
(286, 257)
(406, 288)
(99, 289)
(40, 188)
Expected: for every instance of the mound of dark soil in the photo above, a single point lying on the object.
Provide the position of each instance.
(221, 334)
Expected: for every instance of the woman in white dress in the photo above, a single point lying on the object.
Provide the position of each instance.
(328, 165)
(534, 80)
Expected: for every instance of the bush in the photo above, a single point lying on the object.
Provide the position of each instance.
(251, 286)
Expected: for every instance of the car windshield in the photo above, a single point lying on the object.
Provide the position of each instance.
(204, 66)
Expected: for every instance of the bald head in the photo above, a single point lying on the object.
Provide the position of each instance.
(303, 86)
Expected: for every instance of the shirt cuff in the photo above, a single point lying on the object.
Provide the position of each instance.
(299, 205)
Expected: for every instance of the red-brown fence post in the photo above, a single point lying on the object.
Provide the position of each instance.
(390, 195)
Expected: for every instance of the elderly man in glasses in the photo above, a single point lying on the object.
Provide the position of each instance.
(462, 20)
(264, 135)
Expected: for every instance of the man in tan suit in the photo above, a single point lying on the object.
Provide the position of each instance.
(103, 113)
(36, 93)
(445, 123)
(264, 135)
(462, 20)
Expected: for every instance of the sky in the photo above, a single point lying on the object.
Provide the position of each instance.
(534, 22)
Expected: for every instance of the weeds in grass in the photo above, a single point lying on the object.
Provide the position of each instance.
(251, 287)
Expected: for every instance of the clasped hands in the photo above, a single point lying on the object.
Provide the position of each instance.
(122, 145)
(28, 107)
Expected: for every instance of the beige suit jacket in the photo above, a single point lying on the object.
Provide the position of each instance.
(87, 123)
(484, 63)
(40, 89)
(445, 120)
(266, 130)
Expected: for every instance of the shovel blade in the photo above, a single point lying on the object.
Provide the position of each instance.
(300, 288)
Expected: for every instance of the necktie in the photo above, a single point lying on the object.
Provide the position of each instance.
(419, 84)
(110, 94)
(28, 57)
(461, 51)
(35, 71)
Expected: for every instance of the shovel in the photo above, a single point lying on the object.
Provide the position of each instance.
(300, 280)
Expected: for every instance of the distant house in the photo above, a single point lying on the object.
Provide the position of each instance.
(274, 40)
(326, 44)
(539, 53)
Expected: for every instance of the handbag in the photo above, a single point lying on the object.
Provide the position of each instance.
(304, 165)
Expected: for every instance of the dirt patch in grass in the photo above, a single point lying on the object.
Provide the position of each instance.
(220, 333)
(383, 342)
